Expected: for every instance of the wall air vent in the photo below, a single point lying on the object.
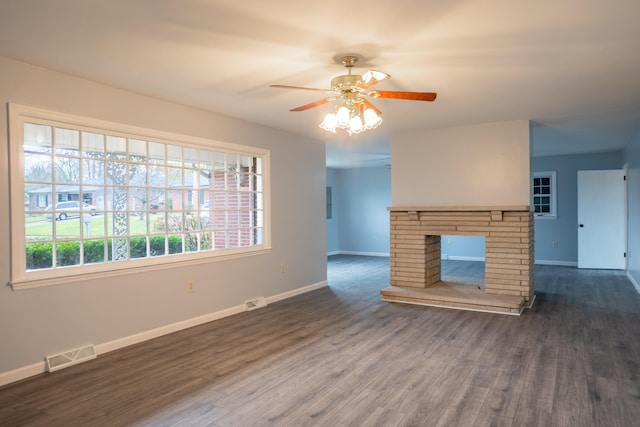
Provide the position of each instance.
(69, 358)
(252, 304)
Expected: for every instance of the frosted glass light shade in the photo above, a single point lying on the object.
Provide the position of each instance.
(355, 125)
(342, 116)
(371, 119)
(329, 123)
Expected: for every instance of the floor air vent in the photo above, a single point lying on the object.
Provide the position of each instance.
(252, 304)
(69, 358)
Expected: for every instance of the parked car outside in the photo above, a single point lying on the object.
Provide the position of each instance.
(64, 210)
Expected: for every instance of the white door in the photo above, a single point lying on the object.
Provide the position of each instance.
(601, 219)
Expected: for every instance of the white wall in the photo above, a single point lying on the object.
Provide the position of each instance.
(37, 322)
(476, 165)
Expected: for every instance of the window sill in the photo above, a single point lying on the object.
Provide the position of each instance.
(545, 216)
(20, 285)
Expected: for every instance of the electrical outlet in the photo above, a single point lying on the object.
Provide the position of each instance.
(190, 286)
(554, 245)
(282, 268)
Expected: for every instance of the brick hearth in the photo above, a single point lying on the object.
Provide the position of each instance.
(415, 257)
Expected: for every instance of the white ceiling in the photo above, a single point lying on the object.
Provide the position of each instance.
(571, 66)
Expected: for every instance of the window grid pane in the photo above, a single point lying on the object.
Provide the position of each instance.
(542, 195)
(95, 198)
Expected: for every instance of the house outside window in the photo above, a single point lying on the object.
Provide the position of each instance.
(544, 194)
(127, 197)
(41, 201)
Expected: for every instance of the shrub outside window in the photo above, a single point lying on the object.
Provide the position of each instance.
(95, 196)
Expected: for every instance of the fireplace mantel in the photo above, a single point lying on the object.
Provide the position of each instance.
(457, 208)
(415, 256)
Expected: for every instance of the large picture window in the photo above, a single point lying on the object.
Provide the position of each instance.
(92, 196)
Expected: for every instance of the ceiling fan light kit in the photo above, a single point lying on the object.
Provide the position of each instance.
(353, 112)
(352, 117)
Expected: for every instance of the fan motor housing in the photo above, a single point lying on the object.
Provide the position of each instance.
(345, 82)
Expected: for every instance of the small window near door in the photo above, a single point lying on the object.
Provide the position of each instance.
(544, 194)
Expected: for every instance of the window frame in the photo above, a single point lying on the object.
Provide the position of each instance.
(23, 279)
(553, 205)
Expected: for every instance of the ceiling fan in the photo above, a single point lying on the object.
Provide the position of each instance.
(355, 112)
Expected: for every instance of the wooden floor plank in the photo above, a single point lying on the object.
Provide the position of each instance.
(340, 356)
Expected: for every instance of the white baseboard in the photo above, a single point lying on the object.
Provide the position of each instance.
(299, 291)
(165, 330)
(541, 262)
(381, 254)
(559, 263)
(22, 373)
(465, 258)
(633, 281)
(456, 258)
(39, 368)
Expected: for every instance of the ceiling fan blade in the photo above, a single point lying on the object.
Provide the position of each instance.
(372, 77)
(313, 104)
(373, 107)
(413, 96)
(300, 87)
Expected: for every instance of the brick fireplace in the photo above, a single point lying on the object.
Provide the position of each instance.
(415, 257)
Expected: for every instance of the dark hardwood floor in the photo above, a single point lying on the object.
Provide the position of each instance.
(340, 356)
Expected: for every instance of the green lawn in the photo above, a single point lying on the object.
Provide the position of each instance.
(34, 218)
(70, 228)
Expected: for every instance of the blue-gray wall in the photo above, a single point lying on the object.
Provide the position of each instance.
(632, 158)
(360, 222)
(469, 248)
(361, 197)
(564, 228)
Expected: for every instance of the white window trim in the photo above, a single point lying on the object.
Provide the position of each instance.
(22, 279)
(554, 205)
